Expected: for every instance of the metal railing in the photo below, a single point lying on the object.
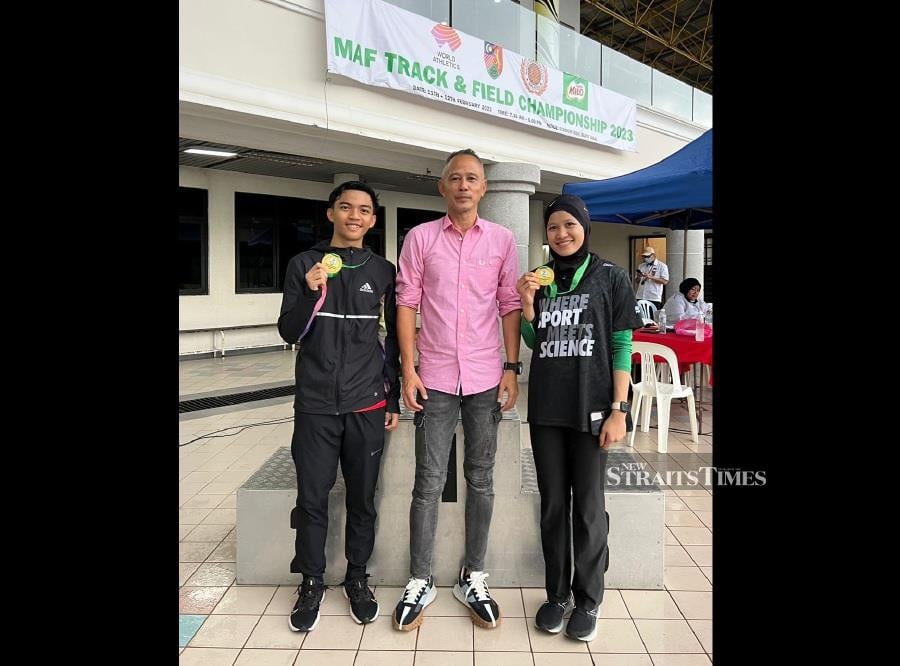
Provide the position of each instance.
(534, 36)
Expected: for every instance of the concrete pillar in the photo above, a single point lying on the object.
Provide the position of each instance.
(390, 231)
(507, 202)
(675, 258)
(339, 178)
(535, 235)
(509, 189)
(535, 259)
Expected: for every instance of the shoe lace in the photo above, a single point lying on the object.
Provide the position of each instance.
(478, 586)
(564, 604)
(358, 589)
(309, 592)
(414, 589)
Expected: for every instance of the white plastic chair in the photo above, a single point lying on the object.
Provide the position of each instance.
(651, 387)
(648, 311)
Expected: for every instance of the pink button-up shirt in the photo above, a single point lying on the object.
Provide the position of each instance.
(460, 284)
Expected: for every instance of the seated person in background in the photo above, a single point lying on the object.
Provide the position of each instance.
(687, 303)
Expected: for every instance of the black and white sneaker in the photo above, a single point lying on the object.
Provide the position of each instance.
(418, 594)
(472, 591)
(551, 614)
(305, 615)
(363, 606)
(582, 624)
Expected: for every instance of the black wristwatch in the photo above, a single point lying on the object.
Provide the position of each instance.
(515, 367)
(621, 406)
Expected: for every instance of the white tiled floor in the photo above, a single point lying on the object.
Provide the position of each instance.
(248, 624)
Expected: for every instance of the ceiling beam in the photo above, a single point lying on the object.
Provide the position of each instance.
(636, 24)
(669, 23)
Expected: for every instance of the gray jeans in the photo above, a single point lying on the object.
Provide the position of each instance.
(434, 435)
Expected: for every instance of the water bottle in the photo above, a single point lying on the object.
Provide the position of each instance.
(698, 331)
(661, 320)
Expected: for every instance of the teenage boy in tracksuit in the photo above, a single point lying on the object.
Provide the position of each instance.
(347, 396)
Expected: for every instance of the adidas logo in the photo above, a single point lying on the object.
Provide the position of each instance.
(366, 288)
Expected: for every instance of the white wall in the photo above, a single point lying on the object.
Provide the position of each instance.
(610, 241)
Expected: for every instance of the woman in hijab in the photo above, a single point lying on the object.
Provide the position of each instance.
(579, 328)
(687, 304)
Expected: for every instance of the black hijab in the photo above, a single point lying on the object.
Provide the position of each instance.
(566, 266)
(686, 286)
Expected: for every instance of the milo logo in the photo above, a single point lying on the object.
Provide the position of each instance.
(575, 91)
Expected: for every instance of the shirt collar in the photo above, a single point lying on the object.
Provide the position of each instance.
(446, 223)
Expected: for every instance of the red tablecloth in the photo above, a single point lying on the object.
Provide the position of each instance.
(686, 348)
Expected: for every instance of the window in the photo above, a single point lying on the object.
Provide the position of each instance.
(271, 230)
(407, 218)
(192, 241)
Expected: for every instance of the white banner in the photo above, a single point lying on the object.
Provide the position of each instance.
(382, 45)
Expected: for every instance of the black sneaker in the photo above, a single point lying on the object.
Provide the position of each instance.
(551, 614)
(305, 615)
(418, 594)
(472, 591)
(582, 624)
(363, 606)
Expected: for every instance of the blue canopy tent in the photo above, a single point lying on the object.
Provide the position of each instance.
(675, 193)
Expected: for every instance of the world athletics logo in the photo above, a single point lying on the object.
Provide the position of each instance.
(534, 76)
(444, 34)
(493, 59)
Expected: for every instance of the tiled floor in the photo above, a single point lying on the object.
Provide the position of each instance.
(224, 623)
(234, 371)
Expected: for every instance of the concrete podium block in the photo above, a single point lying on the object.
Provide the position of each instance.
(265, 540)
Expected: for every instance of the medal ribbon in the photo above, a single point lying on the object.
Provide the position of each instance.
(321, 301)
(551, 290)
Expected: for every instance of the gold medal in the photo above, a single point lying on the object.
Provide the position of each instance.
(544, 275)
(332, 263)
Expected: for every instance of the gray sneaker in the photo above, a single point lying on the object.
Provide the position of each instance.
(472, 591)
(417, 595)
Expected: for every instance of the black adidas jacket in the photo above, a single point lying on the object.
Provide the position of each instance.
(341, 366)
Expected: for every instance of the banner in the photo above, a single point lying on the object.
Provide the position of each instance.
(382, 45)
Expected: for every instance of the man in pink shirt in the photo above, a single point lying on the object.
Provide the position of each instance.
(460, 272)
